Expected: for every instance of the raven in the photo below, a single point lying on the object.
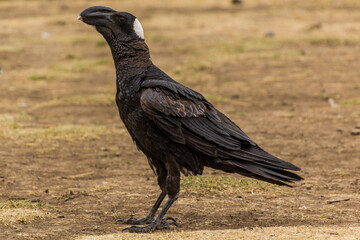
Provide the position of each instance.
(236, 1)
(174, 126)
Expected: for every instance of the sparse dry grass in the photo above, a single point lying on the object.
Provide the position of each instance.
(10, 204)
(77, 65)
(90, 99)
(40, 77)
(13, 128)
(97, 99)
(204, 58)
(217, 183)
(19, 215)
(7, 48)
(23, 211)
(105, 187)
(351, 102)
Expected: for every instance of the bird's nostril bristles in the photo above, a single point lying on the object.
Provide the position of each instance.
(80, 18)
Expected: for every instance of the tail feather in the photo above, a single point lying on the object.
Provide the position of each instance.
(276, 175)
(283, 174)
(266, 165)
(256, 154)
(255, 162)
(257, 151)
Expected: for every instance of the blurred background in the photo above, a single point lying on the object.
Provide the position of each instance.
(286, 71)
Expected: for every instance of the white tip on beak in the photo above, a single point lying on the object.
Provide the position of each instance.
(79, 18)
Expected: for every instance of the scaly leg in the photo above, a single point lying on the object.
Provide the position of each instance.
(158, 223)
(149, 218)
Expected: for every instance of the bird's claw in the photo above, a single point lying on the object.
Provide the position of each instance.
(166, 225)
(168, 218)
(151, 227)
(136, 229)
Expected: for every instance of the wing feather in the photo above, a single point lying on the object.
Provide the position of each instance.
(187, 118)
(198, 117)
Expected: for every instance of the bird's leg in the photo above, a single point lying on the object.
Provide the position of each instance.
(159, 222)
(149, 218)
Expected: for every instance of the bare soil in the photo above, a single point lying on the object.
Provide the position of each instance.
(287, 72)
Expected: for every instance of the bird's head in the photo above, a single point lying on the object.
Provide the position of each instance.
(112, 24)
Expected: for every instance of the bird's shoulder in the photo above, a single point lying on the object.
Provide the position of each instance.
(159, 100)
(155, 78)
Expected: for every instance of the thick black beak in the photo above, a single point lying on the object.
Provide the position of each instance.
(97, 15)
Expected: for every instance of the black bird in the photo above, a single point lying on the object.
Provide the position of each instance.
(237, 2)
(175, 127)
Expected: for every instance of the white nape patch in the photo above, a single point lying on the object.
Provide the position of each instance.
(138, 28)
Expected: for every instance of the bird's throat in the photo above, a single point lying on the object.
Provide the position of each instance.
(132, 60)
(134, 54)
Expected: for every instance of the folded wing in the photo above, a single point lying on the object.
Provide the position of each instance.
(185, 117)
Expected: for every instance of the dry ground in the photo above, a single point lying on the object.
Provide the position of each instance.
(286, 71)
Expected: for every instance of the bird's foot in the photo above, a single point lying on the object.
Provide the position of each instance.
(164, 224)
(136, 221)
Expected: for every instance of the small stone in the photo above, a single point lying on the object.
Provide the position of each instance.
(355, 131)
(337, 200)
(22, 104)
(235, 96)
(269, 34)
(315, 26)
(45, 35)
(332, 102)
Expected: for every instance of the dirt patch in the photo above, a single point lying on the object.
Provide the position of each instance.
(282, 233)
(286, 73)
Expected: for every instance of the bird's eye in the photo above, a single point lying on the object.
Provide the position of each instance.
(122, 19)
